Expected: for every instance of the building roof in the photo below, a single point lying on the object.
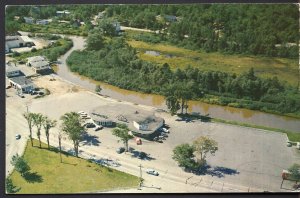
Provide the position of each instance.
(129, 114)
(21, 80)
(35, 59)
(12, 38)
(39, 63)
(11, 69)
(26, 39)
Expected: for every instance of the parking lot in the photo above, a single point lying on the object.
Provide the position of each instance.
(246, 157)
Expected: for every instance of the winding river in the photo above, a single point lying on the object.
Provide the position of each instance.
(227, 113)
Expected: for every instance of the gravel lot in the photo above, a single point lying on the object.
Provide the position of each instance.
(251, 159)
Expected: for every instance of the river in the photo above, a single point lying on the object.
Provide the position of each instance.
(226, 113)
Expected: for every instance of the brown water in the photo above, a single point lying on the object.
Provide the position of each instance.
(227, 113)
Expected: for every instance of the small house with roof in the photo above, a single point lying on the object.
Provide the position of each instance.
(38, 63)
(29, 20)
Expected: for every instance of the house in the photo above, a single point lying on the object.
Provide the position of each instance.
(38, 63)
(40, 66)
(62, 13)
(43, 21)
(102, 120)
(21, 83)
(140, 122)
(16, 42)
(12, 71)
(29, 20)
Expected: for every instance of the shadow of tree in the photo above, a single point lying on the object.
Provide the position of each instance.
(217, 171)
(136, 154)
(90, 140)
(33, 177)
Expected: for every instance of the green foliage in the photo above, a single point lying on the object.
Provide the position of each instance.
(71, 126)
(122, 132)
(98, 89)
(10, 187)
(184, 155)
(95, 40)
(204, 145)
(295, 172)
(38, 120)
(20, 164)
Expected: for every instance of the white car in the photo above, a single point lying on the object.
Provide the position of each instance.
(98, 128)
(165, 130)
(152, 172)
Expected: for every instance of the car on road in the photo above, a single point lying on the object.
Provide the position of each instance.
(98, 128)
(18, 136)
(120, 150)
(152, 172)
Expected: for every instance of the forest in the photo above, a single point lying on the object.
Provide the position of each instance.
(115, 62)
(268, 30)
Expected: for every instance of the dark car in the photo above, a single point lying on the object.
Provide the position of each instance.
(90, 125)
(20, 95)
(18, 136)
(142, 155)
(120, 150)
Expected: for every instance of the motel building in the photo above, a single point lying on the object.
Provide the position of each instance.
(17, 80)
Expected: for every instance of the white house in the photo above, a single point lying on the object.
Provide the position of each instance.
(43, 21)
(12, 72)
(21, 83)
(29, 20)
(38, 63)
(16, 42)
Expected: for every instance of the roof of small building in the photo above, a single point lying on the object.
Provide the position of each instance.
(21, 80)
(35, 59)
(26, 39)
(11, 69)
(39, 63)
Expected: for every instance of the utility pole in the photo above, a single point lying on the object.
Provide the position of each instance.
(141, 178)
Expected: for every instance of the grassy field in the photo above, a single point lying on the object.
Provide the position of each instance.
(74, 175)
(284, 69)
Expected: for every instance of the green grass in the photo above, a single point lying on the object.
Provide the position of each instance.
(293, 136)
(72, 176)
(285, 69)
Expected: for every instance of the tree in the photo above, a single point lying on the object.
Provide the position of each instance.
(72, 127)
(20, 164)
(184, 155)
(295, 172)
(95, 40)
(29, 119)
(205, 145)
(9, 186)
(107, 27)
(122, 132)
(38, 120)
(48, 124)
(98, 89)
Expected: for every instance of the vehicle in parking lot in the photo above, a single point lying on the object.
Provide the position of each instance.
(120, 150)
(98, 128)
(142, 155)
(152, 172)
(165, 130)
(18, 136)
(90, 125)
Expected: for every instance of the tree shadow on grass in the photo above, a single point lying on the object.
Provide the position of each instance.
(33, 177)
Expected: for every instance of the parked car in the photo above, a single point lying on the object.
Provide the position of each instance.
(18, 136)
(120, 150)
(165, 130)
(289, 144)
(81, 112)
(152, 172)
(98, 128)
(142, 155)
(90, 125)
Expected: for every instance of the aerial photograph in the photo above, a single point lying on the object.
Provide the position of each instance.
(152, 98)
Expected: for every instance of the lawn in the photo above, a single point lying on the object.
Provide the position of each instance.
(284, 69)
(74, 175)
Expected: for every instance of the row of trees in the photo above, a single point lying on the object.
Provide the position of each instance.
(115, 62)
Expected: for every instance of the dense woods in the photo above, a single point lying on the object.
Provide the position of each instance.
(269, 30)
(116, 63)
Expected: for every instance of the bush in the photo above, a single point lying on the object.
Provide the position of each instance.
(33, 49)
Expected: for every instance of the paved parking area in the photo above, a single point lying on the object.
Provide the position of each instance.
(247, 158)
